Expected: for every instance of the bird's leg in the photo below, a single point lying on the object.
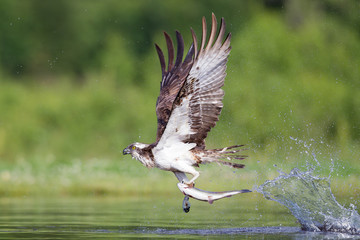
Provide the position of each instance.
(186, 204)
(191, 183)
(181, 171)
(181, 176)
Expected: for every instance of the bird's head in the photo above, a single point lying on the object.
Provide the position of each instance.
(140, 152)
(134, 149)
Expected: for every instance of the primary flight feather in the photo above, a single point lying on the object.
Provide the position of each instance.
(189, 105)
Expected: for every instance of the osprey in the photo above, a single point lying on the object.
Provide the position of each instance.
(188, 106)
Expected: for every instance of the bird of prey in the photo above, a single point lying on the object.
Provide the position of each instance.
(188, 106)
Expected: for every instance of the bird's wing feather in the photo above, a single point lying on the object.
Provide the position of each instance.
(199, 102)
(172, 79)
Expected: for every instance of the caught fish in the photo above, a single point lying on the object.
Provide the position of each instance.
(206, 196)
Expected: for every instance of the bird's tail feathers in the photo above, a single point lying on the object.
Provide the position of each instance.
(227, 153)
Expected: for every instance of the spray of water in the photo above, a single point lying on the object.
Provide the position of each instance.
(310, 200)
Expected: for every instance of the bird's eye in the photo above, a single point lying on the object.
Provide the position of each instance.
(133, 147)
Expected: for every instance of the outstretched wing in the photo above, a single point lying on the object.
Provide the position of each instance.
(172, 79)
(198, 105)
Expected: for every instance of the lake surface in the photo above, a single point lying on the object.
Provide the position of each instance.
(247, 216)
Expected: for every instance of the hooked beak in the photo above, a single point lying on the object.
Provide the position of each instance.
(126, 151)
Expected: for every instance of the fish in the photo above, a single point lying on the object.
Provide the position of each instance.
(205, 196)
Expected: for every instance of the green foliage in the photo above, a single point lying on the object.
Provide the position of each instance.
(295, 82)
(70, 37)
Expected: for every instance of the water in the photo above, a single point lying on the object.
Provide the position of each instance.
(311, 201)
(246, 216)
(150, 217)
(311, 212)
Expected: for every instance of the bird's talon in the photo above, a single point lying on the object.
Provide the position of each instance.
(186, 204)
(189, 184)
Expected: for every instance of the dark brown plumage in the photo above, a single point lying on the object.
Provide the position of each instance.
(172, 79)
(174, 87)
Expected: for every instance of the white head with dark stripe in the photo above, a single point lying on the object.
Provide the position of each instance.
(141, 152)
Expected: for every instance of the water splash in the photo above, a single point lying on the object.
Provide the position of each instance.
(311, 201)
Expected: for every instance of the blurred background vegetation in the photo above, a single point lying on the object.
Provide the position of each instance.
(79, 81)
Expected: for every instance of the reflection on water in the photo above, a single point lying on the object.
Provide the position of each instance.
(311, 201)
(153, 217)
